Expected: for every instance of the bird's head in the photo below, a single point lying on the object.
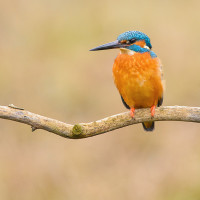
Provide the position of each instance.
(127, 40)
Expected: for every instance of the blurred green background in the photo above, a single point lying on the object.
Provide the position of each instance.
(46, 68)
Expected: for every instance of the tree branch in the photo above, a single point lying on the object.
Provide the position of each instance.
(84, 130)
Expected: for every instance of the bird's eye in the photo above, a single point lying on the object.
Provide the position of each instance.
(132, 41)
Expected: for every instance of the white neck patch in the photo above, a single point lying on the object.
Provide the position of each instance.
(126, 51)
(146, 47)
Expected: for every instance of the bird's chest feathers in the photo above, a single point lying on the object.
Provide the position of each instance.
(137, 78)
(133, 68)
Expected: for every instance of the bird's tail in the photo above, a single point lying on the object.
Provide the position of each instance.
(148, 126)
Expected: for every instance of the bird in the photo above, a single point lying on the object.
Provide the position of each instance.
(137, 73)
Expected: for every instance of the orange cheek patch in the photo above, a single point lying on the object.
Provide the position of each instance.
(123, 41)
(140, 43)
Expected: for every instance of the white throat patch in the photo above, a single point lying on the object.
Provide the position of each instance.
(126, 51)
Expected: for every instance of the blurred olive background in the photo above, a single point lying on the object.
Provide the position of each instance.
(46, 68)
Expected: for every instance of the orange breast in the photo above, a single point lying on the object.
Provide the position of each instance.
(138, 79)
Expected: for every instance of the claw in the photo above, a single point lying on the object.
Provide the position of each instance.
(153, 110)
(132, 113)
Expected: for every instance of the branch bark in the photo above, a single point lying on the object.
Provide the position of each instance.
(84, 130)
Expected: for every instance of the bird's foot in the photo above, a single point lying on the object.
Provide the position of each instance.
(153, 110)
(132, 113)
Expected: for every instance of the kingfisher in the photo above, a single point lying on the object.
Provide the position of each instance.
(137, 73)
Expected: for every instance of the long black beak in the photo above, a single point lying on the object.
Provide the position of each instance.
(111, 45)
